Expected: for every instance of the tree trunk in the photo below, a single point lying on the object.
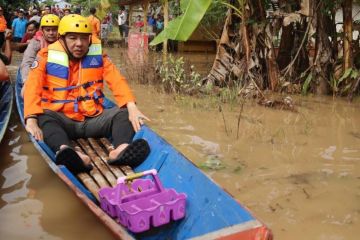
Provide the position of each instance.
(221, 67)
(266, 46)
(286, 46)
(347, 19)
(287, 38)
(145, 6)
(323, 63)
(166, 23)
(293, 45)
(246, 52)
(302, 61)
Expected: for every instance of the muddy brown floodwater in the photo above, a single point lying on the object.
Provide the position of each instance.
(297, 172)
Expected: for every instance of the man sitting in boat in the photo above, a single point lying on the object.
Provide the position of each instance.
(63, 99)
(47, 35)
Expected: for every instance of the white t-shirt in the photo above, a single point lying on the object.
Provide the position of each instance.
(35, 18)
(122, 18)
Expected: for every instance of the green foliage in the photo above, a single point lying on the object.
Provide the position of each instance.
(215, 15)
(213, 20)
(15, 4)
(174, 77)
(212, 163)
(48, 2)
(306, 85)
(330, 5)
(183, 26)
(349, 74)
(238, 8)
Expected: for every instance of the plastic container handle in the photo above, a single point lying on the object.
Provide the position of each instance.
(137, 175)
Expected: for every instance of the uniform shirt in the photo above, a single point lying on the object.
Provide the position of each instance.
(95, 25)
(19, 26)
(37, 79)
(2, 24)
(29, 57)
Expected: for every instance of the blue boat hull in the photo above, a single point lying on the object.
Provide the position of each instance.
(211, 212)
(6, 101)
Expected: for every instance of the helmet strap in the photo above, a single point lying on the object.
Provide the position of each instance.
(63, 43)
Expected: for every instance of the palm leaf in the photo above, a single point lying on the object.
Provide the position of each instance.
(183, 26)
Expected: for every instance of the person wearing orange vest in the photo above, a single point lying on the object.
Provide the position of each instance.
(2, 26)
(47, 35)
(5, 58)
(95, 23)
(64, 94)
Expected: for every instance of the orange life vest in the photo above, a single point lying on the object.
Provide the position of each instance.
(83, 99)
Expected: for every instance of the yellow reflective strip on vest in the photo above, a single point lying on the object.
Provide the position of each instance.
(94, 49)
(58, 57)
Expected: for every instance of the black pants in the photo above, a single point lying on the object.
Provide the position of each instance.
(123, 29)
(2, 39)
(60, 130)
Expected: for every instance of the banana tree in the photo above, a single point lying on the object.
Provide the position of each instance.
(183, 26)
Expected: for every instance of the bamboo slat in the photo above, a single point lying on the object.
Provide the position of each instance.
(95, 173)
(127, 170)
(88, 181)
(109, 176)
(107, 144)
(90, 184)
(105, 157)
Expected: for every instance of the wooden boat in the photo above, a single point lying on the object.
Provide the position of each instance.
(6, 101)
(211, 212)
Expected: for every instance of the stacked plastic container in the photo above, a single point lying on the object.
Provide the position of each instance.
(140, 203)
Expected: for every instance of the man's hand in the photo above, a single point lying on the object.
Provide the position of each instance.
(135, 116)
(32, 127)
(8, 34)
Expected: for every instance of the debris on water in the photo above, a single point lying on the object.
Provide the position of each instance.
(213, 163)
(282, 104)
(237, 169)
(355, 134)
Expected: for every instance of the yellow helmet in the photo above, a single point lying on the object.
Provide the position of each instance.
(49, 20)
(74, 23)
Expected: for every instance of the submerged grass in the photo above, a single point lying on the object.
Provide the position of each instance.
(179, 76)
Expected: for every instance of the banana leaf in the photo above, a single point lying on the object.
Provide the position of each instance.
(183, 26)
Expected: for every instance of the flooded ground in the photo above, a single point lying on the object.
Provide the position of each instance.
(297, 172)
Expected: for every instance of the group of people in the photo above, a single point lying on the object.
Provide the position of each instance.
(64, 69)
(24, 24)
(156, 23)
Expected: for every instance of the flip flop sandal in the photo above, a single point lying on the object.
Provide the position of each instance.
(133, 155)
(72, 161)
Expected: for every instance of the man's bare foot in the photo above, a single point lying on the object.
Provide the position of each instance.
(115, 153)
